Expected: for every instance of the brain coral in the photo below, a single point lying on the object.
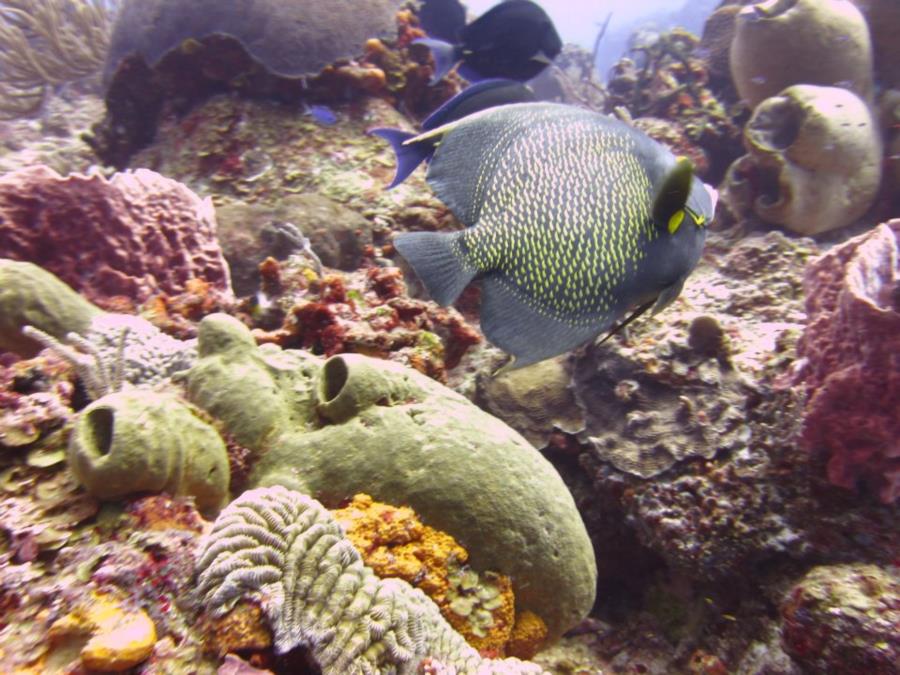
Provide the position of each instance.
(288, 38)
(133, 235)
(316, 592)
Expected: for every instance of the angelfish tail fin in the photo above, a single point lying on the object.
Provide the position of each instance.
(436, 260)
(409, 155)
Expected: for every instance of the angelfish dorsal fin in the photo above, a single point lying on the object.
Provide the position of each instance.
(672, 195)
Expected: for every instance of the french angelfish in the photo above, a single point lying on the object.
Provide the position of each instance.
(573, 221)
(479, 96)
(514, 39)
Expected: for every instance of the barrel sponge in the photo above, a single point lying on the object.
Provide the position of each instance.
(779, 43)
(289, 551)
(31, 296)
(143, 441)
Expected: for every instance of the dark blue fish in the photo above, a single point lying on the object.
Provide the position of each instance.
(515, 40)
(321, 114)
(443, 19)
(480, 96)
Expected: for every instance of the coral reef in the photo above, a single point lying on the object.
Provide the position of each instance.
(849, 367)
(316, 592)
(138, 440)
(133, 235)
(646, 412)
(32, 296)
(781, 43)
(355, 423)
(166, 52)
(250, 233)
(844, 618)
(120, 348)
(35, 400)
(535, 401)
(814, 161)
(46, 43)
(664, 82)
(367, 312)
(394, 543)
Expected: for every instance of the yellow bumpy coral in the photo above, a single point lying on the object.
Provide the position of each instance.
(119, 638)
(396, 544)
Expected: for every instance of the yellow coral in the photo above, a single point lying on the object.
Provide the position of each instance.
(119, 638)
(482, 608)
(528, 635)
(243, 628)
(395, 543)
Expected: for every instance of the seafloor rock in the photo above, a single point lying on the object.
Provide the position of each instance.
(120, 638)
(534, 401)
(677, 437)
(142, 441)
(31, 296)
(249, 233)
(814, 162)
(844, 619)
(134, 235)
(780, 43)
(850, 368)
(355, 424)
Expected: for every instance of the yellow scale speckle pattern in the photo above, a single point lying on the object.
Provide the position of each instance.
(565, 216)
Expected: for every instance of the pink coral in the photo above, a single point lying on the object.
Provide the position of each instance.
(851, 370)
(129, 237)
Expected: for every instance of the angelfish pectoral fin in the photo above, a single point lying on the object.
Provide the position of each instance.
(634, 315)
(672, 195)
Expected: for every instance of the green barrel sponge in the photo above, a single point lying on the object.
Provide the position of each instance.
(357, 424)
(31, 296)
(289, 551)
(255, 392)
(139, 440)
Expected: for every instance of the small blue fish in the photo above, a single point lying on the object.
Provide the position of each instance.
(321, 114)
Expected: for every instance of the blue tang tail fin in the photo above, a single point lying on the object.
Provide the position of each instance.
(408, 156)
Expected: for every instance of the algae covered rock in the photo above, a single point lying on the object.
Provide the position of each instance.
(355, 424)
(139, 441)
(31, 296)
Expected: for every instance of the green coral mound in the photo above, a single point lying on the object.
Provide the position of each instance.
(31, 296)
(316, 592)
(355, 424)
(144, 441)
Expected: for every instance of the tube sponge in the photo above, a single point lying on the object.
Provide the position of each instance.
(31, 296)
(316, 592)
(139, 440)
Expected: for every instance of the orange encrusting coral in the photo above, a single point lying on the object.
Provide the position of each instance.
(395, 543)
